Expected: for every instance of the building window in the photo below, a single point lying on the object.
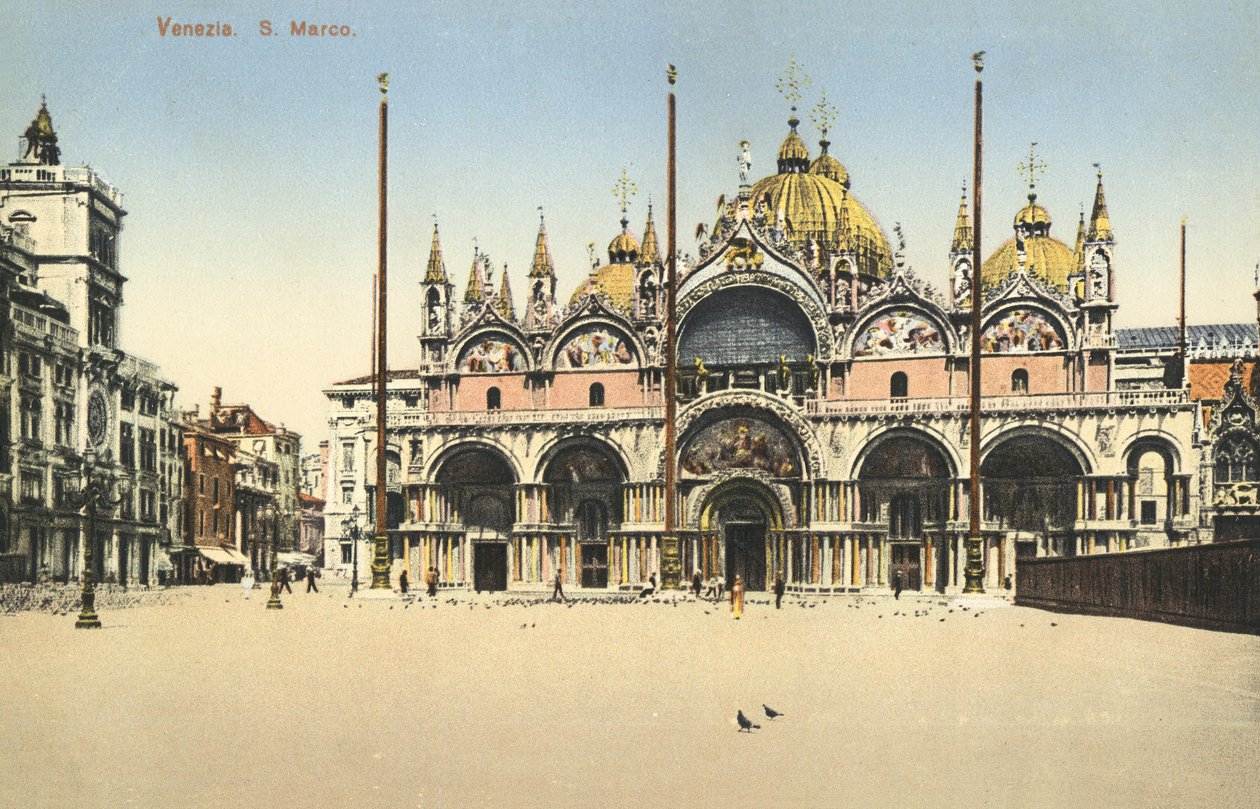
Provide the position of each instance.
(64, 423)
(127, 445)
(1236, 460)
(32, 487)
(347, 494)
(493, 399)
(899, 387)
(201, 484)
(1019, 381)
(148, 450)
(1148, 512)
(127, 400)
(346, 550)
(215, 495)
(30, 365)
(597, 395)
(31, 412)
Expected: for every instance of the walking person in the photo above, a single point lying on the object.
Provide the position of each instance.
(696, 581)
(247, 583)
(779, 586)
(402, 581)
(284, 581)
(721, 586)
(897, 585)
(558, 593)
(737, 598)
(310, 581)
(711, 588)
(430, 581)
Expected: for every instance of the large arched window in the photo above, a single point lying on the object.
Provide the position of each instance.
(494, 400)
(1236, 460)
(597, 395)
(1019, 381)
(899, 387)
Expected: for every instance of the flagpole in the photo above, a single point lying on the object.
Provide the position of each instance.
(380, 549)
(1181, 322)
(671, 567)
(974, 570)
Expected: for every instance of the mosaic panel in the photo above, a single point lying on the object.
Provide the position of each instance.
(741, 443)
(1021, 330)
(491, 355)
(902, 331)
(594, 348)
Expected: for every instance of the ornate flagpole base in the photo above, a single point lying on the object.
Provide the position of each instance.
(87, 620)
(973, 572)
(671, 564)
(380, 562)
(273, 603)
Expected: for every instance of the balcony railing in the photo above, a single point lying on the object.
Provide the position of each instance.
(1099, 400)
(548, 416)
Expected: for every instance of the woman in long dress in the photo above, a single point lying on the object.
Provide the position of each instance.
(737, 597)
(247, 583)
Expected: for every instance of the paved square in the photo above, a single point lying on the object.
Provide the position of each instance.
(214, 701)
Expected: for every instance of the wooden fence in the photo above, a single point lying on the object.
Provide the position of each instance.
(1214, 586)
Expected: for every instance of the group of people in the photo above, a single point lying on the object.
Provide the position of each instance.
(716, 586)
(249, 581)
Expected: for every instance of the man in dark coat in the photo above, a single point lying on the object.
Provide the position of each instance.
(284, 581)
(310, 581)
(897, 585)
(778, 589)
(402, 581)
(696, 583)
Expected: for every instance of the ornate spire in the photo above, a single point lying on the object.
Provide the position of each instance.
(649, 252)
(436, 271)
(844, 227)
(823, 115)
(1099, 221)
(475, 292)
(1078, 250)
(41, 140)
(503, 301)
(543, 267)
(962, 227)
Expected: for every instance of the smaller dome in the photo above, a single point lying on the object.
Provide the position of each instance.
(793, 156)
(1032, 213)
(829, 167)
(624, 247)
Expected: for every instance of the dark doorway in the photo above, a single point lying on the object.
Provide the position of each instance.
(905, 560)
(746, 554)
(594, 566)
(123, 559)
(489, 566)
(144, 560)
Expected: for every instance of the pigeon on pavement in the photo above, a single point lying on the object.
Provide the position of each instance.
(771, 712)
(745, 724)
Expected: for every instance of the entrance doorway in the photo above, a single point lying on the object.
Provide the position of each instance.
(594, 566)
(489, 566)
(746, 554)
(123, 559)
(905, 560)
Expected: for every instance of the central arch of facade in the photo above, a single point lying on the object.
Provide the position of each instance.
(741, 533)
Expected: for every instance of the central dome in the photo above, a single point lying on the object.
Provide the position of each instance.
(816, 203)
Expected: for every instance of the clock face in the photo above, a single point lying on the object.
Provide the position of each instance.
(97, 418)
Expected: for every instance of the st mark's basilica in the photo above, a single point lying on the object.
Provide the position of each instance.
(822, 423)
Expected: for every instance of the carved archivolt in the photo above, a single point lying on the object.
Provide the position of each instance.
(781, 413)
(817, 317)
(703, 496)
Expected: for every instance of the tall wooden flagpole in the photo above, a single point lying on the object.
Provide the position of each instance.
(1182, 347)
(380, 549)
(671, 567)
(973, 572)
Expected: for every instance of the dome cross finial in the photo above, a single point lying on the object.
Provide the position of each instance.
(823, 115)
(792, 83)
(1033, 168)
(624, 190)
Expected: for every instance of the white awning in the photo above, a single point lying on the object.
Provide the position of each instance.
(224, 556)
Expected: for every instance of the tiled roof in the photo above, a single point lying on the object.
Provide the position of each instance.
(1207, 379)
(1234, 335)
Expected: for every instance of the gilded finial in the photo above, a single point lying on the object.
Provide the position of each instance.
(624, 189)
(671, 74)
(1033, 168)
(383, 81)
(1098, 169)
(792, 83)
(541, 218)
(977, 60)
(823, 115)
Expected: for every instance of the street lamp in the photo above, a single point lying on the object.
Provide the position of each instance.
(94, 494)
(268, 515)
(350, 528)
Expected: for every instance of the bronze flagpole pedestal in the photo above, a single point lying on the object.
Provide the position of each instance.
(973, 571)
(380, 542)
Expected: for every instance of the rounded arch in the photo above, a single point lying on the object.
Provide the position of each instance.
(905, 453)
(595, 345)
(747, 325)
(930, 436)
(805, 298)
(741, 489)
(443, 454)
(561, 444)
(488, 350)
(711, 408)
(1064, 438)
(578, 470)
(1152, 440)
(901, 328)
(594, 318)
(1030, 485)
(1024, 327)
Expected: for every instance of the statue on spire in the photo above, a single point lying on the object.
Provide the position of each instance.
(41, 140)
(744, 159)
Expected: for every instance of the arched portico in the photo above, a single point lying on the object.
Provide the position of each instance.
(741, 533)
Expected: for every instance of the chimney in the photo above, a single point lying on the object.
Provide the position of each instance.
(216, 399)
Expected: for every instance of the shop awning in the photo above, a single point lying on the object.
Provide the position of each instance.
(224, 556)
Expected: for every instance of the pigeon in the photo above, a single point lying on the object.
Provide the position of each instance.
(745, 723)
(771, 712)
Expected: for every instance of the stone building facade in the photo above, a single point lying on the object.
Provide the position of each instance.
(823, 413)
(69, 388)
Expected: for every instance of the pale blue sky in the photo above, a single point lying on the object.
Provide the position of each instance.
(249, 164)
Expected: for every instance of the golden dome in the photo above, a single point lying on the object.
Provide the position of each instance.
(792, 149)
(811, 204)
(624, 247)
(1032, 213)
(1046, 258)
(829, 167)
(615, 281)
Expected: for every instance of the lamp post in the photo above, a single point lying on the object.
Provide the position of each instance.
(350, 528)
(268, 515)
(94, 494)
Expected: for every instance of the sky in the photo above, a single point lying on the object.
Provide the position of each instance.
(248, 163)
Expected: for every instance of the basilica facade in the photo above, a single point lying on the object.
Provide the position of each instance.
(823, 413)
